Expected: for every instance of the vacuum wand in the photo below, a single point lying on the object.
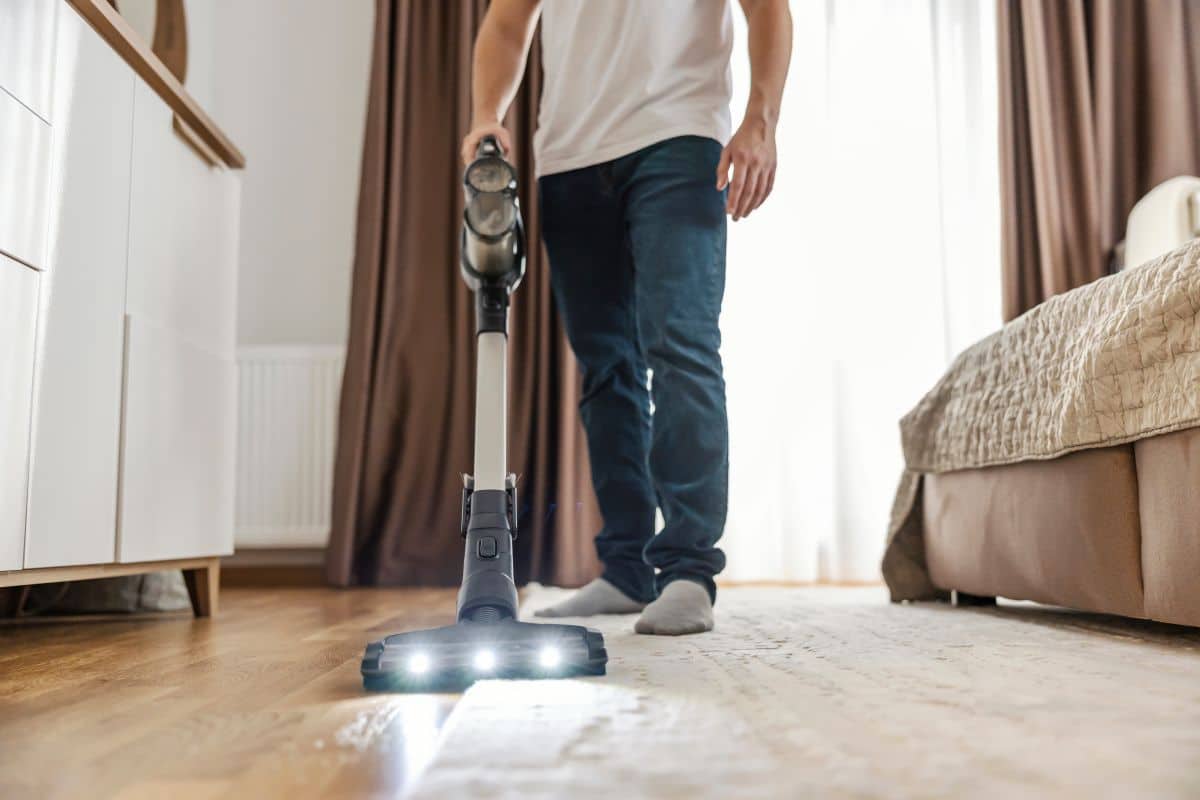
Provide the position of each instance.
(492, 264)
(487, 640)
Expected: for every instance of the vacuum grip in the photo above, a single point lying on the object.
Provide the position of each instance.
(489, 146)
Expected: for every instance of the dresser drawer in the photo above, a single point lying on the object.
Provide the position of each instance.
(24, 181)
(27, 51)
(77, 413)
(18, 318)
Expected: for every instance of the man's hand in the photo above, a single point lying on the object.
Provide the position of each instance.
(471, 141)
(751, 153)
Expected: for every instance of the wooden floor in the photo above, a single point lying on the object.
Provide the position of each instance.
(264, 701)
(797, 693)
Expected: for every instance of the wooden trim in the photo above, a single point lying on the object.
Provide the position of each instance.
(86, 572)
(201, 575)
(193, 141)
(113, 28)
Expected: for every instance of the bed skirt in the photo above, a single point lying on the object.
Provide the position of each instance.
(1113, 530)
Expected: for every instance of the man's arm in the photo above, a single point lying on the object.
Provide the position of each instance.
(501, 48)
(751, 151)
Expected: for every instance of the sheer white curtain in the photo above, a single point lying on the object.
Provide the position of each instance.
(875, 261)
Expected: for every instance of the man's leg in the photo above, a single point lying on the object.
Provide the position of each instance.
(592, 277)
(676, 221)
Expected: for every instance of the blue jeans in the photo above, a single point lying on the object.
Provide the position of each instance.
(637, 264)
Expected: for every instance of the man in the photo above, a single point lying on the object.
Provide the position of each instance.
(633, 153)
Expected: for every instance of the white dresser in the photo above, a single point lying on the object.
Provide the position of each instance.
(118, 275)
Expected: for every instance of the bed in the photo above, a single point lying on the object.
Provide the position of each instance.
(1058, 460)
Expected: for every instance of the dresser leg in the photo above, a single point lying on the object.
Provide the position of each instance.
(203, 585)
(12, 600)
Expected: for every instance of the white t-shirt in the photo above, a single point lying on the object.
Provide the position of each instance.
(620, 75)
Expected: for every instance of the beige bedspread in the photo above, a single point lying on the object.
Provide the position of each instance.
(1108, 363)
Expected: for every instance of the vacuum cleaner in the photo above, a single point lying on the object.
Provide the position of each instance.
(487, 641)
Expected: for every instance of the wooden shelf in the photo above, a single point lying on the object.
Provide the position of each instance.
(113, 28)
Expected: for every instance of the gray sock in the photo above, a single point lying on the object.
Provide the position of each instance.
(683, 607)
(598, 597)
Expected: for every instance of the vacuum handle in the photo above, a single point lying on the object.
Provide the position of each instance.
(489, 146)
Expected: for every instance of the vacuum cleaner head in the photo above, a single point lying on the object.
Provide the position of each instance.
(453, 657)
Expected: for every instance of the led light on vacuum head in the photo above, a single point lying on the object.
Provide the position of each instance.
(418, 664)
(455, 656)
(485, 661)
(550, 657)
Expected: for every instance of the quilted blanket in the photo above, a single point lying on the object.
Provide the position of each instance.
(1108, 363)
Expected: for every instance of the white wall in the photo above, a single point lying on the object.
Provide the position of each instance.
(288, 81)
(289, 86)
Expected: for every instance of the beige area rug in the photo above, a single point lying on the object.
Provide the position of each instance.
(835, 693)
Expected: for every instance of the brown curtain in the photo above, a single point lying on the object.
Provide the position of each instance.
(1099, 102)
(406, 419)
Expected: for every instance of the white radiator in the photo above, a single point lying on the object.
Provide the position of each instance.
(287, 428)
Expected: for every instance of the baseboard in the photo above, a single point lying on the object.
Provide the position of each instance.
(274, 567)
